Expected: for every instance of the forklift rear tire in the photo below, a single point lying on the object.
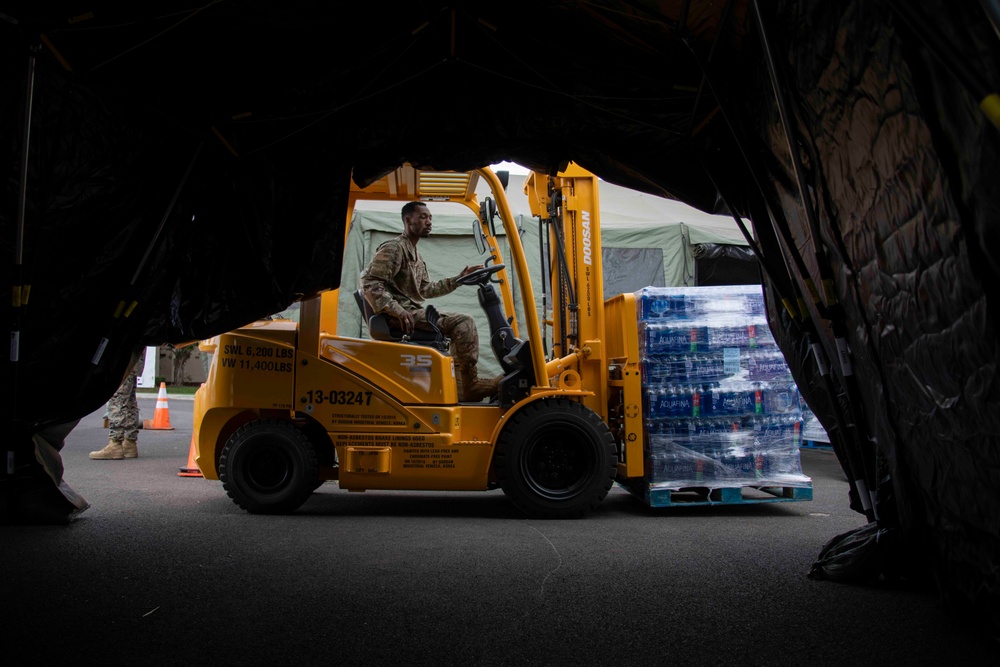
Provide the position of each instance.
(269, 466)
(556, 459)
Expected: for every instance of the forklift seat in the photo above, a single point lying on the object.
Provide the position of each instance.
(382, 326)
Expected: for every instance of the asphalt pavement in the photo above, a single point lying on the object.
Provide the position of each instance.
(166, 570)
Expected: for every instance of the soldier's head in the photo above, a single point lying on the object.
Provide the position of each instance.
(416, 220)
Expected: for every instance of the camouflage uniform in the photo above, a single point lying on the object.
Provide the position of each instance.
(396, 280)
(123, 409)
(123, 419)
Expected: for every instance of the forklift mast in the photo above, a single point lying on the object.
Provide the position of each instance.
(570, 211)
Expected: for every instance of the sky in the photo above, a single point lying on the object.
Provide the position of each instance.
(511, 167)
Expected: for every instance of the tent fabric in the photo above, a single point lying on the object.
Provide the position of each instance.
(902, 226)
(449, 249)
(632, 219)
(923, 330)
(631, 222)
(194, 161)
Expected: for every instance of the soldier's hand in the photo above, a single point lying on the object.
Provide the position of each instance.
(469, 269)
(406, 321)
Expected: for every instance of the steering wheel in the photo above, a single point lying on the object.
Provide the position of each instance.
(479, 276)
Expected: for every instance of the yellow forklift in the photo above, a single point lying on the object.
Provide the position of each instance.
(288, 405)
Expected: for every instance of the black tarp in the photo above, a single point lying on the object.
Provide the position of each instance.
(194, 158)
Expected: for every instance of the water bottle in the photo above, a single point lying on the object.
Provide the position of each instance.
(781, 398)
(650, 396)
(653, 371)
(701, 369)
(665, 368)
(700, 466)
(705, 435)
(683, 339)
(679, 406)
(682, 464)
(698, 339)
(695, 400)
(732, 335)
(697, 369)
(771, 436)
(723, 402)
(684, 403)
(765, 365)
(656, 303)
(684, 369)
(660, 407)
(759, 464)
(739, 459)
(646, 341)
(679, 307)
(765, 339)
(790, 427)
(755, 303)
(648, 305)
(741, 400)
(656, 340)
(746, 400)
(714, 367)
(728, 459)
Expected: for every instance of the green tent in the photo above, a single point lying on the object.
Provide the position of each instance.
(646, 240)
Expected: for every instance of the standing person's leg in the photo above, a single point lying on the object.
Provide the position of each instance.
(464, 335)
(130, 413)
(123, 418)
(116, 404)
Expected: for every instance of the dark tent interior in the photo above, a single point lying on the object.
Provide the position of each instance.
(175, 170)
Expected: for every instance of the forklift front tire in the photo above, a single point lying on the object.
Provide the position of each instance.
(269, 466)
(556, 459)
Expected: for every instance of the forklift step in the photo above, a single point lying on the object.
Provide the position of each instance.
(657, 496)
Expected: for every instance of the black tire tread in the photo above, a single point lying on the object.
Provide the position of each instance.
(587, 500)
(284, 505)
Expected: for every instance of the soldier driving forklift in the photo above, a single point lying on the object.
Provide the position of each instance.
(396, 282)
(289, 405)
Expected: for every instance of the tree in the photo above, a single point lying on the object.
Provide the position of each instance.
(179, 357)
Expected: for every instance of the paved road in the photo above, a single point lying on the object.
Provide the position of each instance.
(166, 570)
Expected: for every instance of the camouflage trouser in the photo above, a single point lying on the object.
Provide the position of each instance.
(461, 329)
(123, 409)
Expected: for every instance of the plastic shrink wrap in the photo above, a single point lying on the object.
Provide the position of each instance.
(720, 406)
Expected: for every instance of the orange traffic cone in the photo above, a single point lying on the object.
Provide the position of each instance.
(192, 469)
(161, 417)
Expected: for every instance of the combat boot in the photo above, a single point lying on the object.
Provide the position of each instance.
(130, 449)
(111, 452)
(472, 389)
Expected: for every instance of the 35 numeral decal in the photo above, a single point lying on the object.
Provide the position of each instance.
(420, 360)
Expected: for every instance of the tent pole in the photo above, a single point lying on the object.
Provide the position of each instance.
(166, 214)
(29, 100)
(20, 290)
(129, 302)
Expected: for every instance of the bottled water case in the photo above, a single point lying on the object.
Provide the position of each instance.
(720, 406)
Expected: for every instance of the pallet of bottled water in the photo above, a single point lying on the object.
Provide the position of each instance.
(722, 414)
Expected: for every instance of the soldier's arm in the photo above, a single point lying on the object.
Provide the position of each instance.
(378, 276)
(446, 286)
(429, 289)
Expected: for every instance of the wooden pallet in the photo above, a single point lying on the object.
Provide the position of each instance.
(737, 495)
